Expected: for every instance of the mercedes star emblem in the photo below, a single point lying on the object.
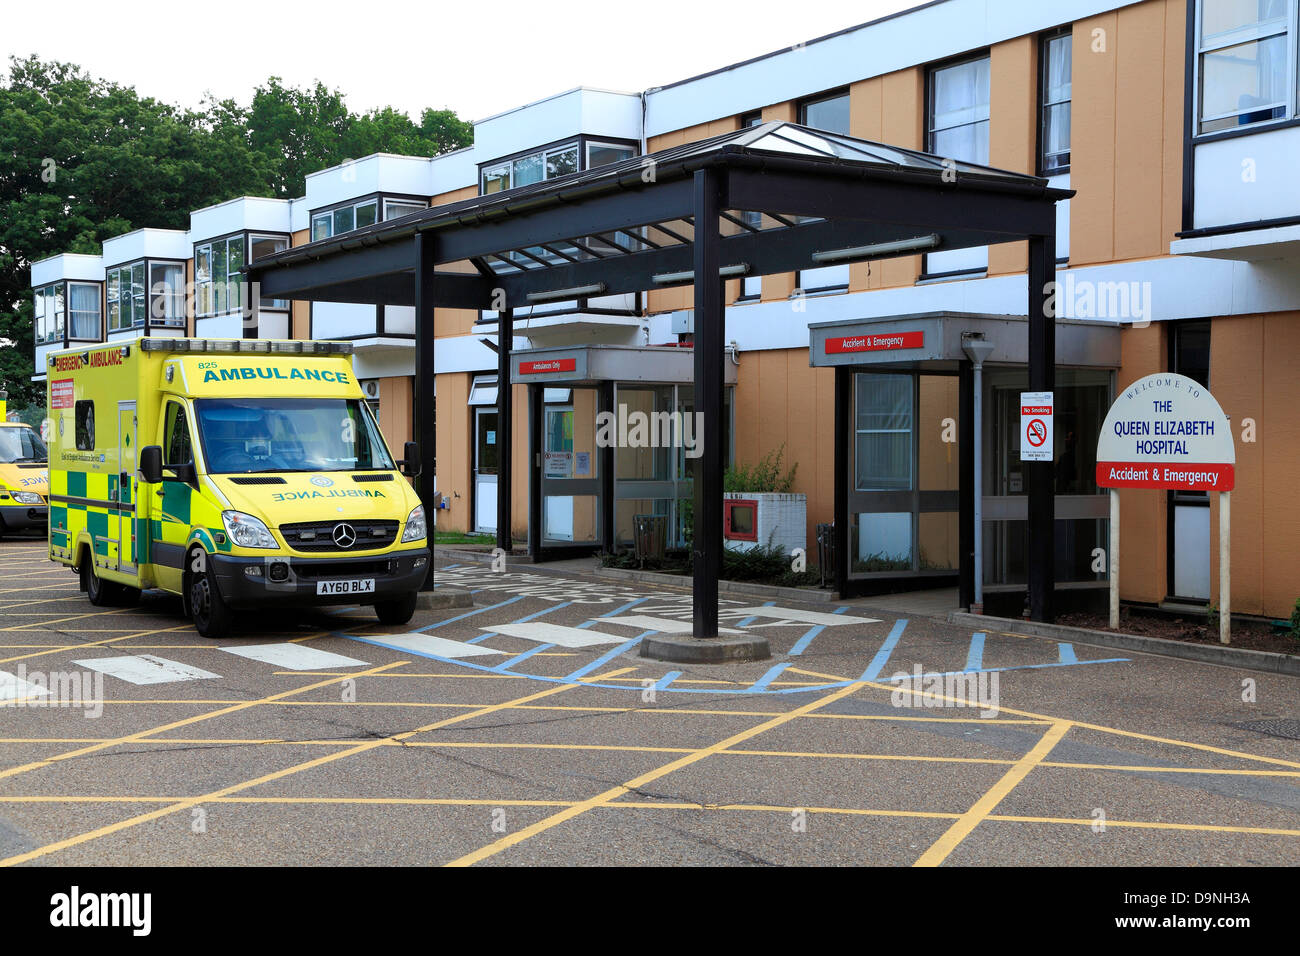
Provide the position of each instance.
(344, 536)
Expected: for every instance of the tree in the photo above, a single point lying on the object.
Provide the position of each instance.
(83, 159)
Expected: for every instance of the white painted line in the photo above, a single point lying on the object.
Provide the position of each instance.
(429, 644)
(293, 657)
(146, 669)
(807, 617)
(664, 625)
(13, 687)
(544, 633)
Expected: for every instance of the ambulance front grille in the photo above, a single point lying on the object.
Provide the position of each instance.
(258, 480)
(319, 535)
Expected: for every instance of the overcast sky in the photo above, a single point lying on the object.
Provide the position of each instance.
(475, 57)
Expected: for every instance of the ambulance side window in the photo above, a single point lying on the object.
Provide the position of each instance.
(85, 421)
(177, 450)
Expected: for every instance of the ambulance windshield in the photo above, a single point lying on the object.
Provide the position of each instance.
(245, 436)
(21, 444)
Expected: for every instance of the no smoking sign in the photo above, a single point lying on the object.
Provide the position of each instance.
(1036, 426)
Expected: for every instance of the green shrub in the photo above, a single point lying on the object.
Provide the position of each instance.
(764, 477)
(1295, 620)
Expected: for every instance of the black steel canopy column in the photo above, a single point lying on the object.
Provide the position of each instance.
(1040, 475)
(424, 424)
(707, 543)
(505, 433)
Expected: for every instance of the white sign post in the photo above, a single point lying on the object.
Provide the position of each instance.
(1167, 431)
(1036, 432)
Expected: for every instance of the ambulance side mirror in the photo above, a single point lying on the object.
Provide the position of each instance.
(151, 464)
(411, 463)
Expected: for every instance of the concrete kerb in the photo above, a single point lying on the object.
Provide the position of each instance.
(1229, 656)
(442, 599)
(747, 588)
(750, 588)
(678, 649)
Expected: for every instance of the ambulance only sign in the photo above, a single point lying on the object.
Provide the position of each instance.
(1166, 431)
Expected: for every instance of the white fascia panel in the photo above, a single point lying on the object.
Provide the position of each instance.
(1169, 288)
(924, 35)
(67, 265)
(452, 171)
(379, 173)
(246, 212)
(147, 244)
(465, 353)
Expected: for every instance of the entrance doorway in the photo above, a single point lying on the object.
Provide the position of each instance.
(486, 455)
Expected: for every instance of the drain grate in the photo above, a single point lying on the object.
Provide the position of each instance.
(1288, 729)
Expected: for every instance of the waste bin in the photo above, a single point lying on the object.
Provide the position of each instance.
(650, 535)
(826, 551)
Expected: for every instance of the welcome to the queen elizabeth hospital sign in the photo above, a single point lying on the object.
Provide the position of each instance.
(1167, 431)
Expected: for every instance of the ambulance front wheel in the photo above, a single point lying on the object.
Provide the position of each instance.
(397, 611)
(100, 592)
(211, 614)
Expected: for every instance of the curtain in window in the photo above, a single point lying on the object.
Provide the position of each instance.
(959, 120)
(83, 308)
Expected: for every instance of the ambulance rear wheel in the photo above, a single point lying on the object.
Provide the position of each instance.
(211, 614)
(398, 611)
(101, 593)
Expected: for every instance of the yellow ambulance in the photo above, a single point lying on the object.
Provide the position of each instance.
(23, 477)
(237, 473)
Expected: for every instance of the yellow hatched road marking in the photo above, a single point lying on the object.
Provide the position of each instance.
(189, 802)
(988, 803)
(131, 738)
(641, 780)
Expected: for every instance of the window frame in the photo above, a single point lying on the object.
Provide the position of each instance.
(928, 119)
(263, 304)
(801, 109)
(1197, 51)
(1044, 43)
(145, 296)
(99, 309)
(202, 285)
(582, 142)
(379, 200)
(39, 293)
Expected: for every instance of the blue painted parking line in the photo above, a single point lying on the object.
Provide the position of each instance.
(523, 657)
(605, 658)
(750, 620)
(1066, 652)
(480, 610)
(882, 656)
(975, 656)
(772, 673)
(526, 617)
(663, 682)
(801, 645)
(1019, 667)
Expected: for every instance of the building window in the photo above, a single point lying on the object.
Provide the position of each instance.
(751, 287)
(1245, 53)
(167, 293)
(883, 432)
(334, 222)
(1054, 105)
(830, 113)
(49, 314)
(396, 209)
(126, 297)
(259, 246)
(602, 154)
(549, 163)
(957, 124)
(84, 311)
(218, 279)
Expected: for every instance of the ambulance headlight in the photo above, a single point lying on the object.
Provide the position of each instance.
(247, 531)
(31, 498)
(415, 530)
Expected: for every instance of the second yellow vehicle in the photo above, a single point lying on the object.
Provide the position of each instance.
(239, 474)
